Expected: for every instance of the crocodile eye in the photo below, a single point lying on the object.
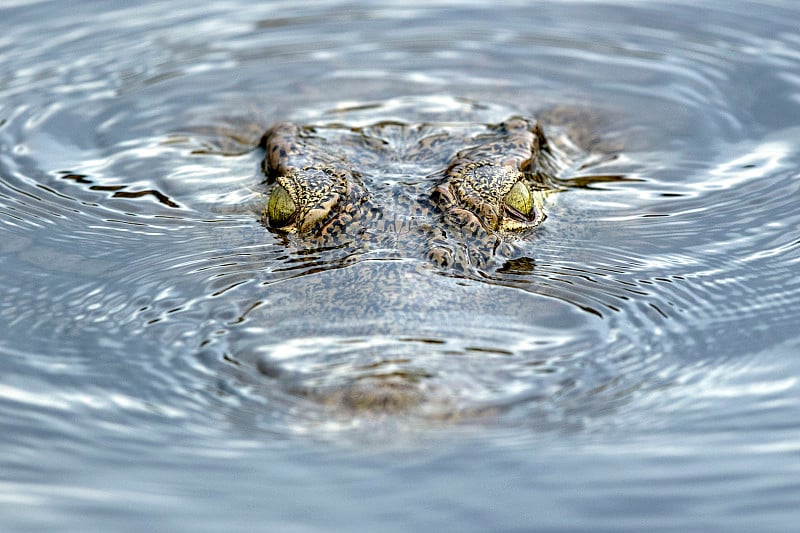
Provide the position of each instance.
(281, 208)
(519, 201)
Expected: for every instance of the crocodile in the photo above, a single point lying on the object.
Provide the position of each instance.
(487, 194)
(402, 242)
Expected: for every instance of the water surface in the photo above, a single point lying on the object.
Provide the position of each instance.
(642, 358)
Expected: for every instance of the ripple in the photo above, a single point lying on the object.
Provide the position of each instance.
(340, 387)
(643, 342)
(131, 187)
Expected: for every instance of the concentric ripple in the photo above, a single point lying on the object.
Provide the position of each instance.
(139, 288)
(168, 363)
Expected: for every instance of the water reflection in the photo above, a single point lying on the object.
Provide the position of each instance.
(642, 342)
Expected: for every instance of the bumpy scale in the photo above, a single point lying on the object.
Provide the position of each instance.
(488, 194)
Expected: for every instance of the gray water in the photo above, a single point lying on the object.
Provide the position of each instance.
(655, 342)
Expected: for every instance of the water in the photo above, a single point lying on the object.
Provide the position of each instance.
(651, 334)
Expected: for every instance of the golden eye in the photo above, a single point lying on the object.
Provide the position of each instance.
(519, 201)
(281, 208)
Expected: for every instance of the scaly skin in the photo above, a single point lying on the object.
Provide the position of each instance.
(484, 196)
(394, 203)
